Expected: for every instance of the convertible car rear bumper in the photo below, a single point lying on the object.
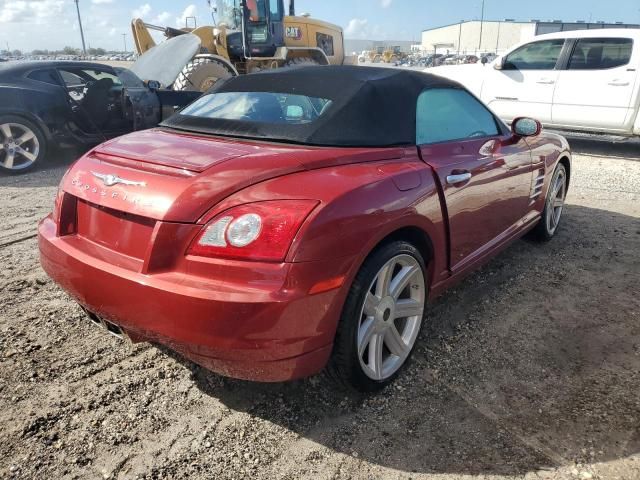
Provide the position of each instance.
(276, 327)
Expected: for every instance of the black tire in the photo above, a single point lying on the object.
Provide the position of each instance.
(16, 154)
(345, 365)
(200, 74)
(546, 228)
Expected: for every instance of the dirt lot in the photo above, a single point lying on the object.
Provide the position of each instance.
(530, 368)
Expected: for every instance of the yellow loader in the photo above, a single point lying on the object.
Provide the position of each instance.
(248, 36)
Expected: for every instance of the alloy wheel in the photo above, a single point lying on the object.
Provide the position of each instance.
(391, 317)
(19, 146)
(555, 199)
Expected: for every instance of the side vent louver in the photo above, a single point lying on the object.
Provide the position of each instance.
(536, 184)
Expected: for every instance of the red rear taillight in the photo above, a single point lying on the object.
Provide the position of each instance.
(254, 231)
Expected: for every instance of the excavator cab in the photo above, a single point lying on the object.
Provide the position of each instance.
(256, 26)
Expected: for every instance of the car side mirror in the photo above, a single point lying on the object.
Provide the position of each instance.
(153, 85)
(499, 63)
(526, 127)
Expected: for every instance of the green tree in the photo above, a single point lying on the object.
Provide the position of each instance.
(70, 51)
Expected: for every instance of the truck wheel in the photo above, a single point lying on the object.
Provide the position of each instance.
(381, 318)
(200, 74)
(22, 144)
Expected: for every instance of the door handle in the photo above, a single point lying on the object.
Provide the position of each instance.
(458, 178)
(546, 81)
(618, 83)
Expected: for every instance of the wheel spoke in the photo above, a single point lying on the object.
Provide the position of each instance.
(365, 332)
(8, 161)
(558, 202)
(28, 155)
(558, 186)
(394, 341)
(375, 354)
(370, 304)
(402, 279)
(408, 307)
(384, 280)
(6, 130)
(26, 136)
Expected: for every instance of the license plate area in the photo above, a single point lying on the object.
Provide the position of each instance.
(122, 232)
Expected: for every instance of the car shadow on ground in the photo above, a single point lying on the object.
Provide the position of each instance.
(533, 362)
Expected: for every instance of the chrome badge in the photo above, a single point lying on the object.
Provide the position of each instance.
(111, 180)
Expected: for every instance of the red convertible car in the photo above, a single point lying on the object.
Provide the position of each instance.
(293, 221)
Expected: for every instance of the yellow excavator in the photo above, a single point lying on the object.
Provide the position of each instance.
(248, 36)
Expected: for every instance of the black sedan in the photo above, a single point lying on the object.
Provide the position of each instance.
(48, 104)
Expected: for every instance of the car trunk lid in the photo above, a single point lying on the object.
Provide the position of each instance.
(126, 189)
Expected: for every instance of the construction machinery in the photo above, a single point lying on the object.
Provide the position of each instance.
(249, 36)
(387, 55)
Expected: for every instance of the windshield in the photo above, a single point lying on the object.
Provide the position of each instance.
(258, 107)
(229, 13)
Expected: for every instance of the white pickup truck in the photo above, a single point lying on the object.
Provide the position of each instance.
(584, 80)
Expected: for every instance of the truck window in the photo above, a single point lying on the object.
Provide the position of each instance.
(447, 114)
(535, 56)
(600, 53)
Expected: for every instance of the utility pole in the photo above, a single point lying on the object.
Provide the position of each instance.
(481, 25)
(124, 39)
(84, 48)
(459, 35)
(498, 38)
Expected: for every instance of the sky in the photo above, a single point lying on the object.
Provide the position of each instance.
(52, 24)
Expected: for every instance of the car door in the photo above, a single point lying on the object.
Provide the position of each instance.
(602, 65)
(95, 95)
(485, 173)
(525, 81)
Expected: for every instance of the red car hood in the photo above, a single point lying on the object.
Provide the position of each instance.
(178, 177)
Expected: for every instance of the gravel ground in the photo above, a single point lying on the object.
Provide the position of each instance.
(530, 368)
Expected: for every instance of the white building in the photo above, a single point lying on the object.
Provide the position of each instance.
(472, 37)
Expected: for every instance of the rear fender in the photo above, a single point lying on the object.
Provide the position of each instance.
(360, 205)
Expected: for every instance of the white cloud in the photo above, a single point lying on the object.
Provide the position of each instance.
(356, 28)
(34, 11)
(385, 3)
(142, 11)
(190, 11)
(161, 18)
(101, 2)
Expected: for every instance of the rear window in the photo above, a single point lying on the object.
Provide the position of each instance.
(600, 53)
(259, 107)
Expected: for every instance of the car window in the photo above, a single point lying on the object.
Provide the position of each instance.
(600, 53)
(258, 107)
(446, 114)
(535, 56)
(45, 76)
(72, 80)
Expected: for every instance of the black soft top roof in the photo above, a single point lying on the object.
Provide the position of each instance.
(371, 106)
